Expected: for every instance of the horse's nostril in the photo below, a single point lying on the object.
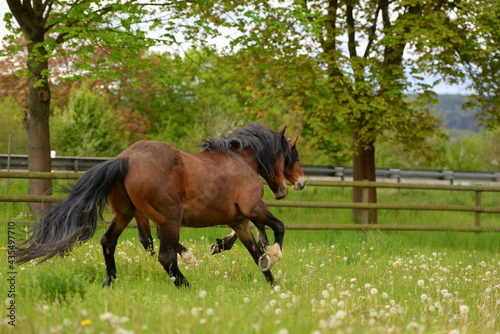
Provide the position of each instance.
(300, 184)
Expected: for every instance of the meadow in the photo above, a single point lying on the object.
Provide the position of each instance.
(327, 281)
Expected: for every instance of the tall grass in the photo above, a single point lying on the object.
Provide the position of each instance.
(328, 282)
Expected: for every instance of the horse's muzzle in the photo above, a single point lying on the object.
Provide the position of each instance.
(300, 184)
(281, 193)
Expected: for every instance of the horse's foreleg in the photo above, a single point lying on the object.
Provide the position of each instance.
(226, 243)
(272, 254)
(261, 232)
(108, 243)
(186, 255)
(243, 232)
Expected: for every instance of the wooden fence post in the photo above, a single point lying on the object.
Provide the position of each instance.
(365, 213)
(478, 204)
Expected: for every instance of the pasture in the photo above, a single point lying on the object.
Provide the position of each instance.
(327, 281)
(333, 281)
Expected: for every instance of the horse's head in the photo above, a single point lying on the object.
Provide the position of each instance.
(285, 168)
(293, 172)
(274, 157)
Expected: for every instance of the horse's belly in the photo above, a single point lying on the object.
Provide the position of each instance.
(209, 217)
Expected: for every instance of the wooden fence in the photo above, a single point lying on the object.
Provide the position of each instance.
(477, 208)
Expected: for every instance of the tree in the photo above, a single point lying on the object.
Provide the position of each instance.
(95, 35)
(364, 57)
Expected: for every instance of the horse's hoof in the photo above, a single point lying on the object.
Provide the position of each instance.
(107, 283)
(214, 249)
(188, 257)
(265, 262)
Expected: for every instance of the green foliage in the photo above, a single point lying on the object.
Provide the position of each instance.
(87, 126)
(187, 98)
(346, 67)
(10, 118)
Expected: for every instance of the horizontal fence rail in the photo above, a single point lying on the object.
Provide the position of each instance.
(81, 164)
(478, 209)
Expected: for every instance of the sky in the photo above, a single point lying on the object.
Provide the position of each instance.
(439, 89)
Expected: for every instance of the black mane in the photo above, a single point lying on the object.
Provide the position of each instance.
(264, 143)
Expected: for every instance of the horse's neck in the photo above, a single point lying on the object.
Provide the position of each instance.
(250, 159)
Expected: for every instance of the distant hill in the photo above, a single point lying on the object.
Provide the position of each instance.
(449, 111)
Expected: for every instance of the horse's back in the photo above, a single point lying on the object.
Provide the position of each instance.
(153, 152)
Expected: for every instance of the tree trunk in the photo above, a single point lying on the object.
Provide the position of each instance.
(36, 121)
(364, 170)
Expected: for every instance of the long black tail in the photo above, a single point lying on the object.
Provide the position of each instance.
(74, 219)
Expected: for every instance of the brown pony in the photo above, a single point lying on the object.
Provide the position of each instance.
(218, 186)
(293, 174)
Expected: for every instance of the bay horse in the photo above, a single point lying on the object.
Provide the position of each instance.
(218, 186)
(292, 174)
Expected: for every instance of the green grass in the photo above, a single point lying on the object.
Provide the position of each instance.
(333, 281)
(328, 281)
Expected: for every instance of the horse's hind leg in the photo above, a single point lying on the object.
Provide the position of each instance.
(246, 237)
(144, 230)
(169, 246)
(109, 241)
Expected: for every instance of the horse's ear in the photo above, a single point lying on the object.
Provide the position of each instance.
(282, 132)
(293, 142)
